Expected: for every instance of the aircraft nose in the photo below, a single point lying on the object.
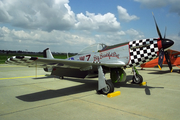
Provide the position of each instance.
(166, 43)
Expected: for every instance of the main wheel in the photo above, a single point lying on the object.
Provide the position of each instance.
(138, 79)
(108, 89)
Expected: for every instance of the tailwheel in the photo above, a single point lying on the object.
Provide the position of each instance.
(108, 89)
(137, 79)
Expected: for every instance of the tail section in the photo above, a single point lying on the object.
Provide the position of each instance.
(47, 53)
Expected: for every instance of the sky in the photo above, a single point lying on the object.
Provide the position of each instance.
(71, 25)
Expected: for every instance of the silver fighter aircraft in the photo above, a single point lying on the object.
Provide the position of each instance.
(99, 59)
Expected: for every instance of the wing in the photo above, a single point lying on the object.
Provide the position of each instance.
(49, 62)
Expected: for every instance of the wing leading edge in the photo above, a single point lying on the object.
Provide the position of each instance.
(48, 62)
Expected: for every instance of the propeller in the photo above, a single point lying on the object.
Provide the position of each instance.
(168, 60)
(157, 28)
(166, 43)
(161, 57)
(165, 33)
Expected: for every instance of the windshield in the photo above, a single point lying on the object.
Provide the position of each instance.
(93, 48)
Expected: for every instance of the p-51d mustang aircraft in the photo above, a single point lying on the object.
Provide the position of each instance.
(98, 59)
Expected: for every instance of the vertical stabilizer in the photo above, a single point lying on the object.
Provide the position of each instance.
(47, 53)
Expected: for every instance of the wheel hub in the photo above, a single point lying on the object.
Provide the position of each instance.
(106, 89)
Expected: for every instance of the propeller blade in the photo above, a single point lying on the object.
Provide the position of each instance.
(168, 60)
(157, 28)
(161, 57)
(165, 33)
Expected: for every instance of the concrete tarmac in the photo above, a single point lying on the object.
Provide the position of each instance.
(23, 96)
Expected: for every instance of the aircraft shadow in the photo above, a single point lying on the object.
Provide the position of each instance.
(46, 76)
(88, 85)
(146, 87)
(161, 71)
(130, 85)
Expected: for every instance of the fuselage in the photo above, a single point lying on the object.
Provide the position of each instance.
(132, 53)
(115, 57)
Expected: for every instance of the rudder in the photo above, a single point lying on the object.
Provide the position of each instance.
(47, 53)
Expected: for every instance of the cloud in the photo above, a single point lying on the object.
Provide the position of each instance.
(38, 40)
(46, 15)
(62, 41)
(4, 15)
(124, 16)
(173, 4)
(90, 21)
(41, 24)
(134, 34)
(52, 23)
(53, 15)
(112, 38)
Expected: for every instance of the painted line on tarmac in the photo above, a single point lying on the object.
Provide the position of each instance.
(12, 66)
(22, 77)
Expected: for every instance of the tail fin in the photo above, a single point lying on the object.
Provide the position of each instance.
(47, 53)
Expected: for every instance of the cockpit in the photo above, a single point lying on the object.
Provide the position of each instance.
(93, 48)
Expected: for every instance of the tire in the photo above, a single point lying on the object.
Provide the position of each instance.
(138, 80)
(109, 89)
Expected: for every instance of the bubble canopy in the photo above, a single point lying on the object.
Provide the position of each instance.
(93, 48)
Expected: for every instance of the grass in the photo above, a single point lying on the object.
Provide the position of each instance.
(4, 57)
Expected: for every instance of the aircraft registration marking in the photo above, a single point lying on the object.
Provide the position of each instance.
(83, 57)
(22, 77)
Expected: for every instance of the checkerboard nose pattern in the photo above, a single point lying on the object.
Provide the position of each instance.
(142, 51)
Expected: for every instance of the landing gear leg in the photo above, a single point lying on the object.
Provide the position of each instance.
(137, 78)
(104, 86)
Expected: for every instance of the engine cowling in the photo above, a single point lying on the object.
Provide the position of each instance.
(117, 75)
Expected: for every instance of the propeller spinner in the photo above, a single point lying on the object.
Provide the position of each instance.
(165, 44)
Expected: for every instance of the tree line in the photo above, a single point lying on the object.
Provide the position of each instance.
(28, 52)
